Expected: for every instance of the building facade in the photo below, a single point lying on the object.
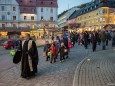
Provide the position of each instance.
(96, 15)
(28, 14)
(62, 18)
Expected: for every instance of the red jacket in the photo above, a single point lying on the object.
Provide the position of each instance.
(54, 50)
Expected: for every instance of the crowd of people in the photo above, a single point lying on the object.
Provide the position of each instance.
(61, 45)
(59, 48)
(96, 37)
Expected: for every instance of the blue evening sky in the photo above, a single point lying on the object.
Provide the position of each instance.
(64, 4)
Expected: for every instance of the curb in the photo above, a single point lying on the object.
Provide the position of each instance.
(78, 67)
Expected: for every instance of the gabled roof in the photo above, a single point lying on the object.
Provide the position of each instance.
(93, 6)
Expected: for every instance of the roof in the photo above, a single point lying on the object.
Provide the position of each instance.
(93, 6)
(64, 12)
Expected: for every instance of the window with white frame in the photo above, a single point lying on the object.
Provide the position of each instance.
(3, 17)
(2, 8)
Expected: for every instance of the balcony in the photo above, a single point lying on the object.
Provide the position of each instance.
(12, 29)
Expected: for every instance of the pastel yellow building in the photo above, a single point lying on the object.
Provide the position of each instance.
(95, 15)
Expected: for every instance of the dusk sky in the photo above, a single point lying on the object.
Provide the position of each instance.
(63, 4)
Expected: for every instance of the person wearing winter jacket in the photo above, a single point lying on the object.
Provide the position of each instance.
(47, 49)
(62, 52)
(54, 52)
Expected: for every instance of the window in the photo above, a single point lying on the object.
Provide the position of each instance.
(41, 9)
(51, 2)
(42, 2)
(14, 8)
(2, 8)
(30, 0)
(3, 17)
(104, 11)
(42, 18)
(14, 25)
(25, 17)
(3, 26)
(32, 17)
(14, 17)
(51, 18)
(25, 9)
(20, 0)
(51, 10)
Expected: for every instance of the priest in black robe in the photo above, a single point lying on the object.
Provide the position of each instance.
(29, 58)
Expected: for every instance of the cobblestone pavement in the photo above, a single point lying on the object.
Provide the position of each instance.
(58, 74)
(97, 70)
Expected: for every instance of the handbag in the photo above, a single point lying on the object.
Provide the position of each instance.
(17, 57)
(70, 45)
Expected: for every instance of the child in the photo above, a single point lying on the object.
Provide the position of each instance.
(47, 49)
(62, 52)
(54, 52)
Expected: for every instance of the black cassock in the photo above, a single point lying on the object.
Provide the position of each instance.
(29, 59)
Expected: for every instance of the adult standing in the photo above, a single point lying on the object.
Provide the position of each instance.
(103, 39)
(47, 49)
(113, 38)
(85, 37)
(65, 41)
(94, 41)
(29, 58)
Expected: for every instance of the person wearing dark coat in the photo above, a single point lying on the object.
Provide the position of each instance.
(46, 50)
(94, 41)
(85, 37)
(29, 57)
(65, 41)
(62, 52)
(73, 40)
(103, 39)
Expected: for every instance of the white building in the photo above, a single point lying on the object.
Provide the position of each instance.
(62, 18)
(27, 13)
(21, 15)
(9, 13)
